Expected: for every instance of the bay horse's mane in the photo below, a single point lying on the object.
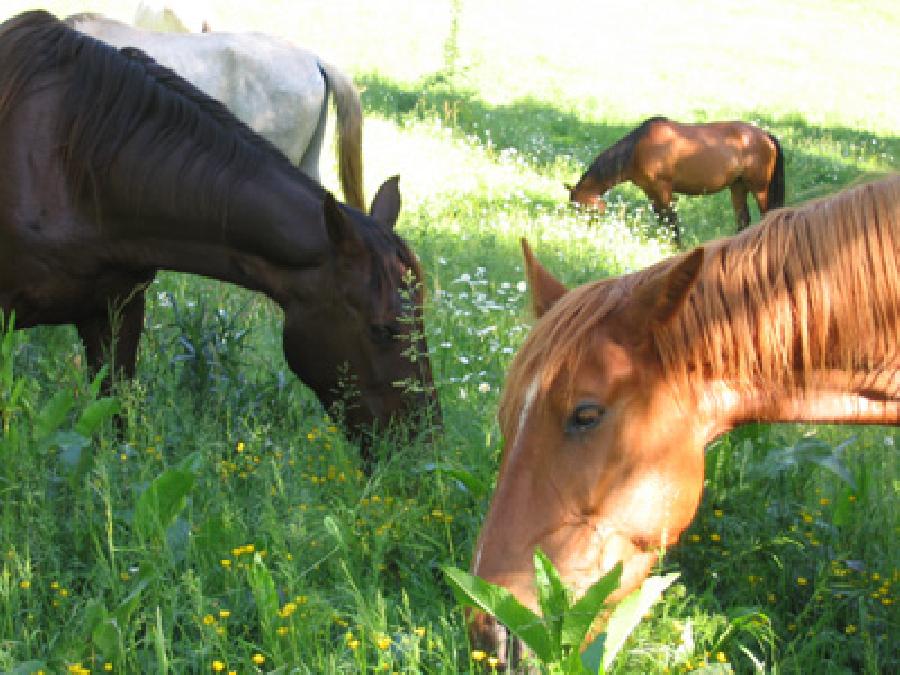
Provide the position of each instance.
(610, 163)
(111, 94)
(815, 286)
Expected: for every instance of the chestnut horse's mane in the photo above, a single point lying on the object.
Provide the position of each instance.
(811, 287)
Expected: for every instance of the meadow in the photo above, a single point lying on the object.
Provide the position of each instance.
(230, 527)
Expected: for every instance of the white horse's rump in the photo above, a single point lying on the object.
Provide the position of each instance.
(277, 89)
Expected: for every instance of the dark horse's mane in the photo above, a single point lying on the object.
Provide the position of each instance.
(112, 94)
(611, 162)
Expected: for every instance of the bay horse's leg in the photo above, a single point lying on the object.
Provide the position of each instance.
(114, 336)
(762, 199)
(661, 197)
(739, 203)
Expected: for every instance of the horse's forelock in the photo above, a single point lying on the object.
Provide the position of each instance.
(559, 342)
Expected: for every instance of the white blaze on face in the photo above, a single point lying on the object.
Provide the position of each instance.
(530, 396)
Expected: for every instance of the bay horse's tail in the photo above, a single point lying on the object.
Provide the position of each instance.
(349, 132)
(776, 183)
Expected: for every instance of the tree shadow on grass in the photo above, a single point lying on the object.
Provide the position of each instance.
(819, 159)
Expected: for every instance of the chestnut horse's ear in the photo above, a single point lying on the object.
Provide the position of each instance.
(386, 203)
(341, 232)
(660, 298)
(545, 288)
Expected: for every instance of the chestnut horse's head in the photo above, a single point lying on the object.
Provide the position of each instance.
(603, 461)
(588, 191)
(353, 326)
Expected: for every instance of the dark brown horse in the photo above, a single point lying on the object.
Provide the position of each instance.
(115, 167)
(663, 157)
(622, 383)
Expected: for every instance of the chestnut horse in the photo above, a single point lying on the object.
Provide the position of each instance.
(115, 167)
(622, 383)
(277, 89)
(662, 157)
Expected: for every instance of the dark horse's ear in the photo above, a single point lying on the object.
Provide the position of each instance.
(341, 232)
(545, 288)
(386, 203)
(659, 298)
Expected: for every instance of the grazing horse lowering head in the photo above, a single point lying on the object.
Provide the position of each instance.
(354, 331)
(612, 398)
(117, 167)
(587, 192)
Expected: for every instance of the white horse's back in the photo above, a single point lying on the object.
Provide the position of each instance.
(277, 89)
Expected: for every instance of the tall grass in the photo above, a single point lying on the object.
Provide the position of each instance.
(230, 526)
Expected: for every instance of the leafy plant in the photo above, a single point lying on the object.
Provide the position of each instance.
(556, 636)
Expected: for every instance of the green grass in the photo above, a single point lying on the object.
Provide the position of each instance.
(484, 109)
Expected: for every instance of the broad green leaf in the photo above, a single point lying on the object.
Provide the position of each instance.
(95, 414)
(466, 478)
(70, 444)
(94, 613)
(502, 605)
(163, 499)
(581, 616)
(552, 595)
(629, 612)
(97, 381)
(54, 413)
(106, 637)
(592, 656)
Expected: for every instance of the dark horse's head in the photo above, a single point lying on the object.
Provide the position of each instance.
(359, 341)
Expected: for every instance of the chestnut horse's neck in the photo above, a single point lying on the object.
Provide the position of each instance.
(799, 318)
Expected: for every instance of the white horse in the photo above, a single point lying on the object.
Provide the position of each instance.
(278, 90)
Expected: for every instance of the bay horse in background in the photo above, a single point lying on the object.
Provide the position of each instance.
(277, 89)
(610, 402)
(115, 167)
(663, 157)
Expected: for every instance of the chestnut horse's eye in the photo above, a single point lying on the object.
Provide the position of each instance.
(585, 417)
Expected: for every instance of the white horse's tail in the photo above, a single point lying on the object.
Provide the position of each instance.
(349, 132)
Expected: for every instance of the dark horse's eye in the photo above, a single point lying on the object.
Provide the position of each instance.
(383, 333)
(585, 417)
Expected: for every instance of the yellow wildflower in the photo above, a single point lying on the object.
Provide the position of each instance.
(478, 655)
(258, 659)
(217, 666)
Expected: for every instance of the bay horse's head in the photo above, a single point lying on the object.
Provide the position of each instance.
(587, 192)
(353, 326)
(602, 461)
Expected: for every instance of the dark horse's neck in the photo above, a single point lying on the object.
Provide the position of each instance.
(177, 182)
